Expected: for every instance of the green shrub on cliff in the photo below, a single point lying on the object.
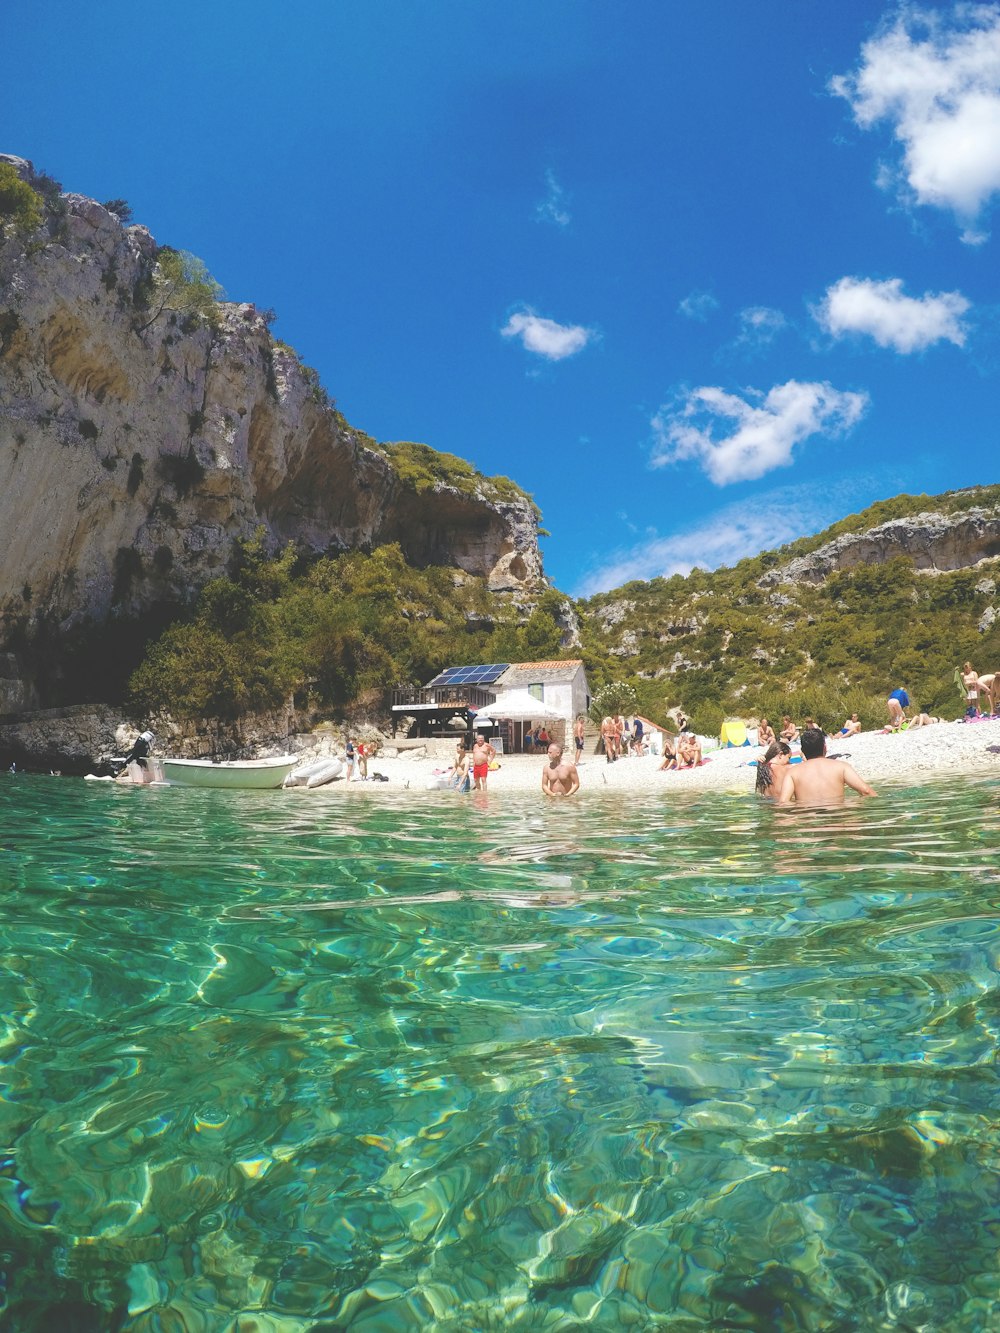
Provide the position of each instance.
(21, 207)
(182, 284)
(422, 469)
(339, 630)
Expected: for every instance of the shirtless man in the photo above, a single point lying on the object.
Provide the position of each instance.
(819, 781)
(990, 686)
(578, 734)
(688, 750)
(559, 778)
(483, 754)
(852, 727)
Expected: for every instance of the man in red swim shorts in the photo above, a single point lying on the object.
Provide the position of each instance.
(483, 754)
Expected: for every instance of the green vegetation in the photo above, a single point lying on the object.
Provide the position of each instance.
(183, 285)
(422, 469)
(611, 700)
(721, 644)
(21, 207)
(338, 633)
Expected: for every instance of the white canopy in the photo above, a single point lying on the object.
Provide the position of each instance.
(518, 706)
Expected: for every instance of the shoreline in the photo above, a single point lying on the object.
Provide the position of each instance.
(912, 757)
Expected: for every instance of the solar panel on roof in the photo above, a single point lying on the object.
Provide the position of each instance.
(469, 675)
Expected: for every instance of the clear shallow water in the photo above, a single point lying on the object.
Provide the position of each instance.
(377, 1063)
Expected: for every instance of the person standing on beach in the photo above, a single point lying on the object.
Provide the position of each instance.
(559, 778)
(483, 755)
(349, 760)
(896, 702)
(608, 737)
(974, 684)
(819, 781)
(578, 734)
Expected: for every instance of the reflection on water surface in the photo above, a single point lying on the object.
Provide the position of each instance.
(281, 1063)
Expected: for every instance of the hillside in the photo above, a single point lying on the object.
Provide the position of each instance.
(148, 429)
(899, 593)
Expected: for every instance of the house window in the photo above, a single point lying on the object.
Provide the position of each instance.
(536, 692)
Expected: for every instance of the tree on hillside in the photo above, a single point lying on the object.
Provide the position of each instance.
(183, 284)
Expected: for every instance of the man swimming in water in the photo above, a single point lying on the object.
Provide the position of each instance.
(559, 778)
(820, 781)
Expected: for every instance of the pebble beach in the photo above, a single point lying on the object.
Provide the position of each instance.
(924, 755)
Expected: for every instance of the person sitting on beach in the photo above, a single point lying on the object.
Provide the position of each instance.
(559, 778)
(765, 733)
(896, 702)
(483, 754)
(776, 757)
(688, 750)
(819, 781)
(852, 727)
(789, 731)
(669, 752)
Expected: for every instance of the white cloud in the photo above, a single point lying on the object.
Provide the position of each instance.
(735, 439)
(553, 207)
(726, 537)
(759, 326)
(936, 79)
(699, 306)
(880, 309)
(545, 337)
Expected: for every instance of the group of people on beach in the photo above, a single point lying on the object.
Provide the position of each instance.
(621, 736)
(975, 686)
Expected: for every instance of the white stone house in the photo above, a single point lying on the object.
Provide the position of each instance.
(559, 685)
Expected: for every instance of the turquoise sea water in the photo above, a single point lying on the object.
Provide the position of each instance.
(380, 1062)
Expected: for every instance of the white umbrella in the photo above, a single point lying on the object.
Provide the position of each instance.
(518, 706)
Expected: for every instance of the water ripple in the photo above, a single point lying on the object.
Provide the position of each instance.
(438, 1064)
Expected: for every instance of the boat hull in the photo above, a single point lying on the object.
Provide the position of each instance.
(237, 774)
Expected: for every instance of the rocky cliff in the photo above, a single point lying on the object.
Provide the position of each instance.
(140, 441)
(935, 542)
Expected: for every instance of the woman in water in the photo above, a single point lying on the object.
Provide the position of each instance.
(777, 756)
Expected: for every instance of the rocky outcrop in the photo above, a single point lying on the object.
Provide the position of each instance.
(140, 443)
(934, 542)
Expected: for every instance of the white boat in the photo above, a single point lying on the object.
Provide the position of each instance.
(254, 774)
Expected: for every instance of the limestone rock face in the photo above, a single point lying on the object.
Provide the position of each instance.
(138, 446)
(934, 542)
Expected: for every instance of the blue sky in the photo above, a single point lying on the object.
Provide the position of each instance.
(701, 277)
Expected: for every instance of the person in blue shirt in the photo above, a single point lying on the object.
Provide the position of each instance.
(896, 702)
